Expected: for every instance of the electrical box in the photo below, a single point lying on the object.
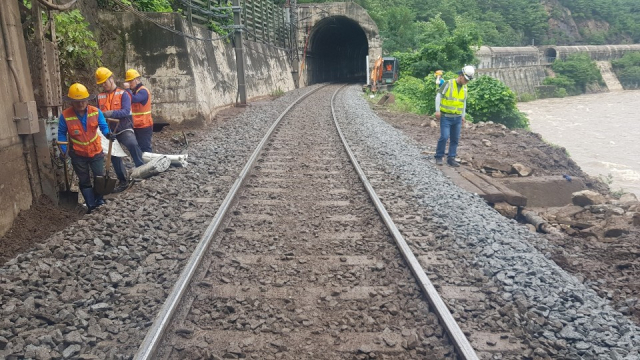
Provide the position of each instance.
(26, 117)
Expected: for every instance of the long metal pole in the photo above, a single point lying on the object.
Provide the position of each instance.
(242, 91)
(294, 43)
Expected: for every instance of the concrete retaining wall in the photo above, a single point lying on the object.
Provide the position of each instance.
(522, 80)
(189, 79)
(15, 190)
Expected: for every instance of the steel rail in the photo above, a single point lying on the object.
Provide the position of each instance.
(149, 346)
(460, 341)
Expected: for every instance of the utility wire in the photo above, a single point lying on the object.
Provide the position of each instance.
(141, 15)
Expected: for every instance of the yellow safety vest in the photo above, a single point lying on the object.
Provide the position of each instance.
(452, 101)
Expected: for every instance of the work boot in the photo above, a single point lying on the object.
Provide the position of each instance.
(99, 199)
(451, 161)
(439, 161)
(122, 186)
(89, 199)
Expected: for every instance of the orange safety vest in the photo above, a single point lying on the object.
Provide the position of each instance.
(112, 100)
(142, 113)
(85, 143)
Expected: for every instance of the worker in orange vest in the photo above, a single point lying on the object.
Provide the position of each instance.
(79, 125)
(116, 103)
(140, 109)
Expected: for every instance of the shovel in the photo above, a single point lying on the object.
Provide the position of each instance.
(67, 198)
(104, 185)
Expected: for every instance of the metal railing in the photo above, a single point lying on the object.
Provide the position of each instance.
(262, 20)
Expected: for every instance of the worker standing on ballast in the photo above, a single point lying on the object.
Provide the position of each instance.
(79, 125)
(451, 106)
(140, 109)
(116, 104)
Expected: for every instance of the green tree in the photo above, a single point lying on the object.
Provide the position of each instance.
(491, 100)
(575, 73)
(627, 69)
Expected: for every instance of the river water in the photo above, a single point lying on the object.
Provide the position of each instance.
(601, 132)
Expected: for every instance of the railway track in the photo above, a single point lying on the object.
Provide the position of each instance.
(298, 263)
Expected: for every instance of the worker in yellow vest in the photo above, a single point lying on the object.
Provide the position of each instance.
(78, 124)
(451, 106)
(140, 109)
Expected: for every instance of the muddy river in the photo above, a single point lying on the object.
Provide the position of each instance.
(601, 132)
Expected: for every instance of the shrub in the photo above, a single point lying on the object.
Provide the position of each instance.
(575, 73)
(78, 49)
(627, 70)
(488, 99)
(491, 100)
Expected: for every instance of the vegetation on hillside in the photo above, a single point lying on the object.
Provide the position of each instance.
(627, 70)
(574, 74)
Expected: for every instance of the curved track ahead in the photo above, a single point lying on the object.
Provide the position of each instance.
(298, 263)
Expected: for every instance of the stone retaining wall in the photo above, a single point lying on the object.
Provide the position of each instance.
(189, 79)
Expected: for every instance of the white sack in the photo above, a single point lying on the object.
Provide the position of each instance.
(176, 160)
(153, 167)
(116, 149)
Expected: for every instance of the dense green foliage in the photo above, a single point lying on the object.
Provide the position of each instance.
(491, 100)
(441, 48)
(505, 22)
(627, 70)
(142, 5)
(622, 16)
(78, 49)
(574, 74)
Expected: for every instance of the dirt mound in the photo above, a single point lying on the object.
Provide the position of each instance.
(596, 242)
(31, 226)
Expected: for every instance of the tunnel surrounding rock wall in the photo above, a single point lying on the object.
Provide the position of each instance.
(190, 79)
(314, 19)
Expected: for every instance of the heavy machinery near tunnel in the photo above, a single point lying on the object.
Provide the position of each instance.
(384, 73)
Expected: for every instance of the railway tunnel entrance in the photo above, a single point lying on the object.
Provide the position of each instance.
(337, 51)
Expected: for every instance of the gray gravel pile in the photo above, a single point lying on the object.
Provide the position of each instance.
(552, 306)
(92, 290)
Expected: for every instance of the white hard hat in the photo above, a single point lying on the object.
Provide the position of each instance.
(468, 72)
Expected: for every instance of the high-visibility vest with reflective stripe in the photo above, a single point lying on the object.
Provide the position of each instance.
(142, 113)
(84, 143)
(112, 100)
(452, 101)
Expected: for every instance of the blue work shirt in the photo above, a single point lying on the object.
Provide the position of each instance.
(62, 126)
(139, 96)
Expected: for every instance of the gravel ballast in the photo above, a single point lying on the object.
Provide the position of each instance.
(574, 315)
(92, 290)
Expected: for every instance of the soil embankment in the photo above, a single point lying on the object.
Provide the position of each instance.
(597, 243)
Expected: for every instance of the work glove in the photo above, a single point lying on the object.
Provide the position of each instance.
(112, 136)
(108, 113)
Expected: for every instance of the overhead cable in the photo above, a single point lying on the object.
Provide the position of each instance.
(141, 15)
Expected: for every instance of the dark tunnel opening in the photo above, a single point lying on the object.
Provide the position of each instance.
(337, 51)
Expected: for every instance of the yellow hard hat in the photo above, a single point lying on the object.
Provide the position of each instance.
(131, 74)
(78, 92)
(102, 74)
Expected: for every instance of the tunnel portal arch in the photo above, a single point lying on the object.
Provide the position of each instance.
(337, 51)
(334, 40)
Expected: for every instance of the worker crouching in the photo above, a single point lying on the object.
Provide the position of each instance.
(79, 125)
(140, 109)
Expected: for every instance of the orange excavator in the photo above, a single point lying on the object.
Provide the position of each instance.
(384, 73)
